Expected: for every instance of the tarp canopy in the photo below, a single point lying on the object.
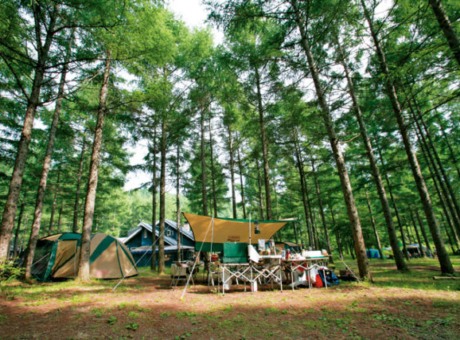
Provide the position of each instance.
(224, 230)
(58, 256)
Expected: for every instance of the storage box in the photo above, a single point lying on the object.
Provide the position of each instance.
(313, 254)
(234, 252)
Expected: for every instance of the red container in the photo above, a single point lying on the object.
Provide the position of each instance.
(214, 257)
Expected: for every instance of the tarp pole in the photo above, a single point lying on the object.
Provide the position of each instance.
(196, 260)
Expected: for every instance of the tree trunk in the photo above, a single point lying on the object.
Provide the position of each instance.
(444, 260)
(29, 257)
(422, 228)
(178, 202)
(377, 238)
(18, 228)
(203, 162)
(399, 259)
(261, 197)
(53, 208)
(153, 264)
(83, 267)
(232, 171)
(242, 184)
(353, 216)
(9, 212)
(449, 146)
(264, 146)
(60, 219)
(321, 210)
(303, 189)
(213, 175)
(161, 243)
(447, 29)
(76, 208)
(422, 251)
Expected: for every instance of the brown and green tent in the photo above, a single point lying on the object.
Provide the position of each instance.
(57, 256)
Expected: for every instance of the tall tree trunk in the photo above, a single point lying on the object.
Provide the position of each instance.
(178, 202)
(203, 161)
(18, 228)
(76, 208)
(53, 207)
(29, 257)
(337, 236)
(303, 188)
(444, 260)
(321, 210)
(264, 146)
(60, 219)
(422, 251)
(447, 29)
(83, 267)
(161, 243)
(398, 257)
(353, 216)
(243, 202)
(422, 228)
(11, 205)
(261, 196)
(395, 207)
(449, 146)
(376, 233)
(232, 170)
(213, 175)
(153, 264)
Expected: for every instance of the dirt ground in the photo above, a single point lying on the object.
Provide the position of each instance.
(145, 307)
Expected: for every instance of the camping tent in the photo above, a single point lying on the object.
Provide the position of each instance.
(372, 254)
(213, 234)
(57, 256)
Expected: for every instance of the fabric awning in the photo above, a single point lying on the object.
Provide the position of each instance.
(212, 235)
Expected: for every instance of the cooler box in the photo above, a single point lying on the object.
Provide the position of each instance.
(235, 252)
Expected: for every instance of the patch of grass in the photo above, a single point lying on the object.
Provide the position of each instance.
(97, 312)
(111, 320)
(165, 315)
(182, 314)
(132, 326)
(133, 315)
(272, 310)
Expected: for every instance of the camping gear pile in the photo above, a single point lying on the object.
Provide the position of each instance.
(233, 258)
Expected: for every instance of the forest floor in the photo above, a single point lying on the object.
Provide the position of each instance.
(396, 306)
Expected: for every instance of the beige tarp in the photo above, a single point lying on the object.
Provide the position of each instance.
(227, 230)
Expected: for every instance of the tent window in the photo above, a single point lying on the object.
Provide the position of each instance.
(145, 233)
(168, 232)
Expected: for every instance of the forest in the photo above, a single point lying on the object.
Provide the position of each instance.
(342, 114)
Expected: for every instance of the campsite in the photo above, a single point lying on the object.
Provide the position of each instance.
(229, 169)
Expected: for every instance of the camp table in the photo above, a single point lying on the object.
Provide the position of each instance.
(304, 264)
(268, 270)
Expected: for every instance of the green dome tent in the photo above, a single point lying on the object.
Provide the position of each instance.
(57, 256)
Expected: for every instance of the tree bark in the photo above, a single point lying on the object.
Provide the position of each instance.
(443, 257)
(353, 216)
(232, 170)
(447, 29)
(178, 202)
(161, 243)
(203, 162)
(376, 233)
(18, 228)
(422, 251)
(153, 264)
(45, 170)
(264, 147)
(213, 175)
(399, 259)
(83, 267)
(261, 197)
(9, 212)
(321, 210)
(303, 189)
(422, 228)
(60, 219)
(53, 207)
(76, 208)
(243, 202)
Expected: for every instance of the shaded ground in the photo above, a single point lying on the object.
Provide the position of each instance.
(410, 306)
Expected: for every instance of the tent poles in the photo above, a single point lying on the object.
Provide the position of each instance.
(196, 260)
(129, 271)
